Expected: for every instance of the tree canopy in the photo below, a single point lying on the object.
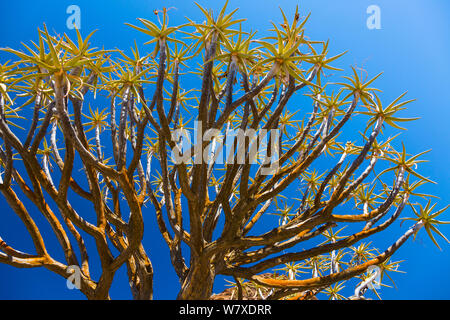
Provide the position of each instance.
(207, 135)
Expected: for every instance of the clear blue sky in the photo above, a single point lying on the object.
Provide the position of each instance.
(412, 48)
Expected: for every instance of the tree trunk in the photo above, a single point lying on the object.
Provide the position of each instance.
(198, 283)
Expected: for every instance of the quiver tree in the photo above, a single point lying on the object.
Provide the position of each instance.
(133, 162)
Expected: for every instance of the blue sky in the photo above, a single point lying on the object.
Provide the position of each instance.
(412, 48)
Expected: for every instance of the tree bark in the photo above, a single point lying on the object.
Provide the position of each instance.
(198, 283)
